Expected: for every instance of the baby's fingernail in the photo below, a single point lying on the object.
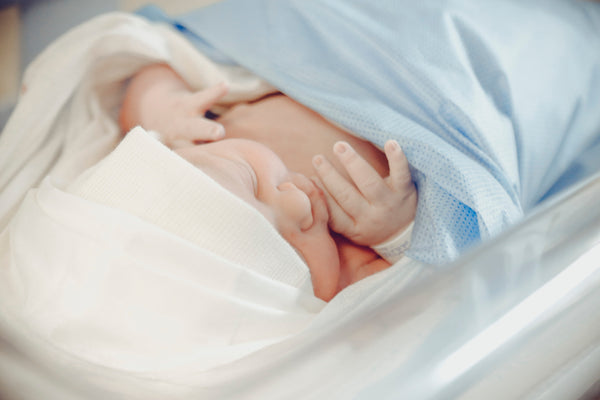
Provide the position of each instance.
(317, 160)
(340, 147)
(219, 131)
(392, 145)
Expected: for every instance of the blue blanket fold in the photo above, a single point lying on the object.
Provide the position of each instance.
(492, 101)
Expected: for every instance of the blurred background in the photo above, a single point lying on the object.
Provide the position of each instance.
(28, 26)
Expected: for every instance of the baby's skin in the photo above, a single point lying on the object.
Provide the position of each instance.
(288, 200)
(328, 218)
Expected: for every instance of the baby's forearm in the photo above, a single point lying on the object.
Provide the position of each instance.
(143, 89)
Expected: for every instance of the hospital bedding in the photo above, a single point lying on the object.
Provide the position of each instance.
(90, 265)
(417, 341)
(407, 308)
(491, 100)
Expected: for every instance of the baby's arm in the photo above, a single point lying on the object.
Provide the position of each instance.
(158, 99)
(370, 210)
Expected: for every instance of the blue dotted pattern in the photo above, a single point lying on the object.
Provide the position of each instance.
(490, 100)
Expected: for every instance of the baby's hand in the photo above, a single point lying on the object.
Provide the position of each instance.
(159, 100)
(182, 122)
(370, 209)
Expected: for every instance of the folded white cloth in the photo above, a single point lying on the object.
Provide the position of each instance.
(145, 263)
(98, 281)
(121, 269)
(65, 120)
(144, 178)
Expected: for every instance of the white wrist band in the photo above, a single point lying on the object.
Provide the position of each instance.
(393, 249)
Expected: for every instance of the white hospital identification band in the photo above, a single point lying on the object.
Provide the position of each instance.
(393, 249)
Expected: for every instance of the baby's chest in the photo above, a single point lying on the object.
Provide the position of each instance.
(294, 132)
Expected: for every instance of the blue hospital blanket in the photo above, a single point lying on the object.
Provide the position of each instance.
(492, 101)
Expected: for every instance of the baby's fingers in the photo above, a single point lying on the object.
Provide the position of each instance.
(194, 130)
(344, 193)
(365, 177)
(315, 194)
(399, 171)
(204, 99)
(339, 221)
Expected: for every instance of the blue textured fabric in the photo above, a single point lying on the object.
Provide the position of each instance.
(492, 101)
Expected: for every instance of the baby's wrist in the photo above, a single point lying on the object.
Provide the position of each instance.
(393, 249)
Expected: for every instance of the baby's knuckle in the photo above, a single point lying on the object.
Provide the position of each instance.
(371, 184)
(345, 196)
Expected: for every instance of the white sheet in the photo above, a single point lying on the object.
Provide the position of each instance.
(106, 289)
(65, 120)
(387, 336)
(112, 271)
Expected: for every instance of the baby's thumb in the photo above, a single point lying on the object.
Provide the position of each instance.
(205, 98)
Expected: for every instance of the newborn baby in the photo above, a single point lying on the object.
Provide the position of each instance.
(297, 207)
(348, 193)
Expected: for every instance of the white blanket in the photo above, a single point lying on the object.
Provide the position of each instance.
(106, 287)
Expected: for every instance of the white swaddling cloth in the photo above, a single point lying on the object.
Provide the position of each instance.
(144, 178)
(102, 284)
(119, 270)
(145, 263)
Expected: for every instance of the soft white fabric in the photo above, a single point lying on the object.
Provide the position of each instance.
(65, 120)
(109, 286)
(479, 95)
(144, 178)
(102, 284)
(143, 260)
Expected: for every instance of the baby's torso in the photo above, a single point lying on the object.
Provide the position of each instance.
(294, 132)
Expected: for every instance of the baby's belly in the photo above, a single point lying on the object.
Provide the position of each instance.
(294, 132)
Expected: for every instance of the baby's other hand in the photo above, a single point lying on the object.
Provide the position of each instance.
(159, 100)
(370, 209)
(188, 126)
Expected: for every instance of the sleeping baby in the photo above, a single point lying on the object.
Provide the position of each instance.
(346, 193)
